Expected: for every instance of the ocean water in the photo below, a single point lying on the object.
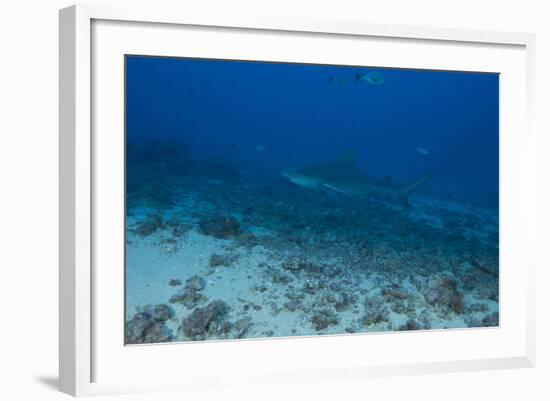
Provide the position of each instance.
(277, 200)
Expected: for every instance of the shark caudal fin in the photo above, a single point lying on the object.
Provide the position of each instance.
(404, 192)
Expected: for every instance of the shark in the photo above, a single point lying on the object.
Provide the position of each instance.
(343, 177)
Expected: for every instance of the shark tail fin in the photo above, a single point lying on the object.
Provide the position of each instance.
(406, 190)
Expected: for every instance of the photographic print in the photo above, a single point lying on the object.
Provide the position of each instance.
(274, 199)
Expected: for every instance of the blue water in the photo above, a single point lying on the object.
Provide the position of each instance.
(244, 220)
(228, 108)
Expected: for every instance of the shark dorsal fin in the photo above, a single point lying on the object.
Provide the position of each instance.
(348, 157)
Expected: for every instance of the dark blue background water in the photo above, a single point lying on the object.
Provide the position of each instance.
(297, 115)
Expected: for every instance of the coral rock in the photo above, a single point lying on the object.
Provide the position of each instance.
(395, 292)
(491, 320)
(190, 296)
(195, 283)
(443, 291)
(149, 326)
(220, 260)
(410, 325)
(324, 318)
(174, 282)
(242, 326)
(375, 311)
(150, 225)
(209, 321)
(222, 227)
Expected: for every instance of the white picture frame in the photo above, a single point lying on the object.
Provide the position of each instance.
(81, 343)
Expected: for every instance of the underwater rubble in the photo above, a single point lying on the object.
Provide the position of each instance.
(246, 260)
(148, 326)
(174, 282)
(208, 321)
(191, 295)
(149, 225)
(217, 260)
(222, 227)
(212, 322)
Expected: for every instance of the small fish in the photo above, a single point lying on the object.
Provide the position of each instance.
(260, 148)
(338, 81)
(373, 78)
(423, 151)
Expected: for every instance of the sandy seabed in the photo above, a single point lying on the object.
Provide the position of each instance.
(207, 268)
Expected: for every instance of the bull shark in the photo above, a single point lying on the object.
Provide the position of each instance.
(343, 177)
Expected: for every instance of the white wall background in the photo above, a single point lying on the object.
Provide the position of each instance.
(29, 185)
